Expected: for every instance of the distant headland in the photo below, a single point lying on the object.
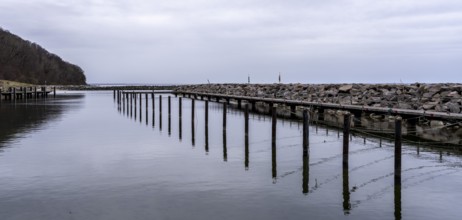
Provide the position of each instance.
(27, 62)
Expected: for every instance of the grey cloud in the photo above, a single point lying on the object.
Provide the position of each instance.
(192, 41)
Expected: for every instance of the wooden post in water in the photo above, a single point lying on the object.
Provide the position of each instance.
(346, 137)
(193, 138)
(397, 185)
(141, 107)
(224, 115)
(239, 103)
(35, 92)
(206, 126)
(273, 142)
(169, 116)
(180, 124)
(14, 94)
(54, 92)
(153, 101)
(246, 131)
(1, 95)
(131, 105)
(146, 97)
(114, 94)
(160, 112)
(398, 122)
(305, 132)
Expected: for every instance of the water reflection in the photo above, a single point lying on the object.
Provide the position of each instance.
(362, 150)
(23, 116)
(306, 174)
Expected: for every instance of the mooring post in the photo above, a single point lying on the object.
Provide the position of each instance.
(14, 93)
(398, 123)
(305, 132)
(141, 107)
(54, 91)
(346, 137)
(123, 103)
(180, 125)
(131, 105)
(153, 101)
(169, 116)
(35, 92)
(193, 138)
(273, 144)
(160, 112)
(206, 126)
(397, 185)
(246, 131)
(224, 115)
(146, 97)
(239, 103)
(114, 94)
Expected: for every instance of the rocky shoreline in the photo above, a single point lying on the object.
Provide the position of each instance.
(441, 97)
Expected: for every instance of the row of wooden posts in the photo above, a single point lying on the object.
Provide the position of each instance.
(305, 137)
(127, 98)
(26, 93)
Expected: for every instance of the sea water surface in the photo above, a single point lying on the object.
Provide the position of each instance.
(82, 156)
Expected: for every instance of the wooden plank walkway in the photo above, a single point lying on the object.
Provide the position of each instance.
(405, 113)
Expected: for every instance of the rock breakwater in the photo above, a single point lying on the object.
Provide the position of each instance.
(431, 97)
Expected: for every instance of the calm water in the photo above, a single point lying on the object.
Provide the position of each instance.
(81, 157)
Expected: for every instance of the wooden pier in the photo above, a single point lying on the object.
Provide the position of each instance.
(357, 110)
(21, 93)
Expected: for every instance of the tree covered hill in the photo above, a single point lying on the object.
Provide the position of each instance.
(24, 61)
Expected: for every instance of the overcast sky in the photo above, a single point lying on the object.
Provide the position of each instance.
(181, 41)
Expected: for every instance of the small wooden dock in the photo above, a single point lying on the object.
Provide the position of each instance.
(21, 93)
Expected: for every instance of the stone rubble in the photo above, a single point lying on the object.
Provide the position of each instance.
(442, 97)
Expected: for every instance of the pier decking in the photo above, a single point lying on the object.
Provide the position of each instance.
(320, 106)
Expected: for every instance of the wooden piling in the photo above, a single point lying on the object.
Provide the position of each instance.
(239, 103)
(54, 92)
(153, 101)
(346, 137)
(246, 131)
(14, 93)
(160, 112)
(114, 94)
(193, 138)
(398, 123)
(169, 116)
(274, 123)
(273, 143)
(305, 132)
(146, 97)
(206, 126)
(180, 125)
(141, 107)
(224, 115)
